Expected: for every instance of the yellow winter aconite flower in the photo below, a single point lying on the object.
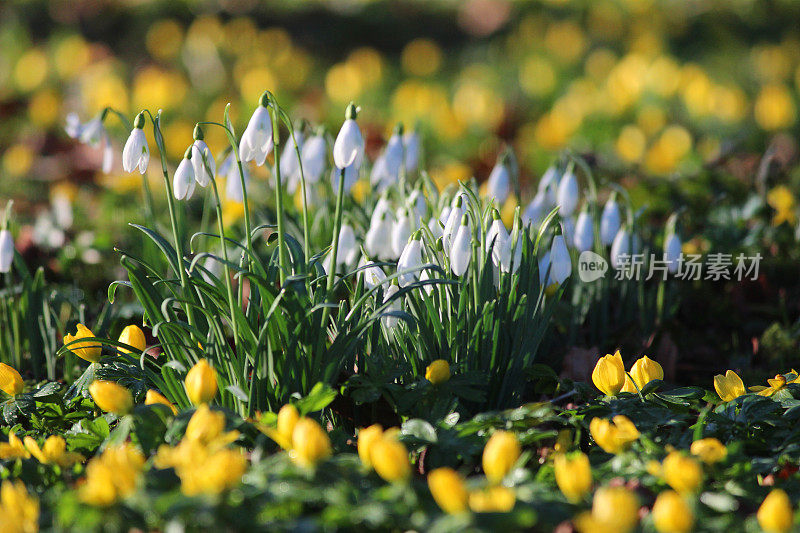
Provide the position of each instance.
(19, 511)
(85, 350)
(438, 371)
(671, 513)
(133, 335)
(775, 514)
(153, 397)
(207, 428)
(367, 437)
(494, 499)
(112, 476)
(500, 455)
(390, 459)
(614, 510)
(287, 420)
(53, 452)
(643, 371)
(613, 436)
(775, 384)
(111, 397)
(729, 387)
(774, 108)
(211, 472)
(609, 374)
(782, 200)
(709, 450)
(10, 381)
(201, 383)
(573, 475)
(14, 448)
(310, 443)
(448, 490)
(682, 473)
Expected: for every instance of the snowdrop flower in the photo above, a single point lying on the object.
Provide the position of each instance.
(73, 126)
(435, 227)
(425, 276)
(549, 180)
(410, 258)
(444, 215)
(568, 194)
(401, 231)
(461, 250)
(453, 223)
(202, 161)
(373, 274)
(377, 176)
(348, 249)
(6, 250)
(136, 154)
(290, 163)
(609, 221)
(183, 181)
(496, 237)
(313, 157)
(94, 134)
(560, 262)
(350, 176)
(545, 274)
(672, 252)
(584, 232)
(256, 141)
(498, 186)
(568, 227)
(349, 145)
(412, 143)
(511, 255)
(229, 169)
(535, 212)
(377, 241)
(416, 200)
(391, 322)
(620, 247)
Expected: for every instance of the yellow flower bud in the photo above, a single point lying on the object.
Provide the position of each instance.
(775, 514)
(85, 350)
(609, 374)
(287, 420)
(573, 475)
(709, 450)
(438, 371)
(10, 380)
(643, 371)
(682, 473)
(201, 383)
(111, 397)
(613, 437)
(133, 336)
(671, 513)
(154, 397)
(20, 509)
(729, 387)
(613, 509)
(494, 499)
(390, 459)
(367, 437)
(500, 455)
(448, 490)
(310, 443)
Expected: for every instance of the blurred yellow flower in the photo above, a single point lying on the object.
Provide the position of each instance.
(631, 144)
(774, 108)
(500, 454)
(537, 77)
(157, 88)
(390, 459)
(44, 108)
(448, 490)
(19, 510)
(709, 450)
(112, 475)
(682, 473)
(477, 104)
(438, 372)
(111, 397)
(775, 515)
(10, 380)
(53, 452)
(494, 499)
(164, 39)
(18, 160)
(71, 55)
(671, 513)
(614, 510)
(573, 475)
(310, 443)
(421, 57)
(613, 436)
(201, 383)
(154, 397)
(366, 438)
(132, 335)
(14, 448)
(31, 69)
(782, 200)
(85, 350)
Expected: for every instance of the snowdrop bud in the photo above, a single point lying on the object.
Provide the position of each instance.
(290, 164)
(233, 182)
(621, 246)
(444, 215)
(136, 153)
(256, 140)
(6, 250)
(672, 252)
(348, 249)
(461, 251)
(453, 222)
(108, 153)
(183, 181)
(393, 155)
(560, 262)
(313, 157)
(373, 274)
(401, 231)
(498, 186)
(378, 234)
(397, 305)
(202, 161)
(349, 143)
(584, 232)
(416, 200)
(549, 180)
(568, 227)
(609, 221)
(412, 143)
(535, 211)
(496, 237)
(511, 255)
(568, 194)
(410, 258)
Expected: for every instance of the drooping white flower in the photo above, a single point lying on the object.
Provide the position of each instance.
(256, 141)
(535, 211)
(584, 232)
(377, 237)
(205, 168)
(108, 153)
(496, 237)
(93, 132)
(136, 153)
(511, 255)
(549, 179)
(609, 221)
(413, 144)
(461, 250)
(435, 227)
(62, 210)
(410, 258)
(498, 186)
(73, 126)
(568, 227)
(391, 322)
(313, 157)
(417, 202)
(401, 231)
(229, 169)
(6, 250)
(444, 215)
(545, 270)
(183, 181)
(373, 274)
(620, 247)
(452, 225)
(672, 252)
(425, 276)
(560, 262)
(349, 144)
(348, 248)
(290, 163)
(568, 194)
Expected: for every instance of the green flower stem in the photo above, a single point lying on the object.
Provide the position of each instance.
(228, 283)
(278, 188)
